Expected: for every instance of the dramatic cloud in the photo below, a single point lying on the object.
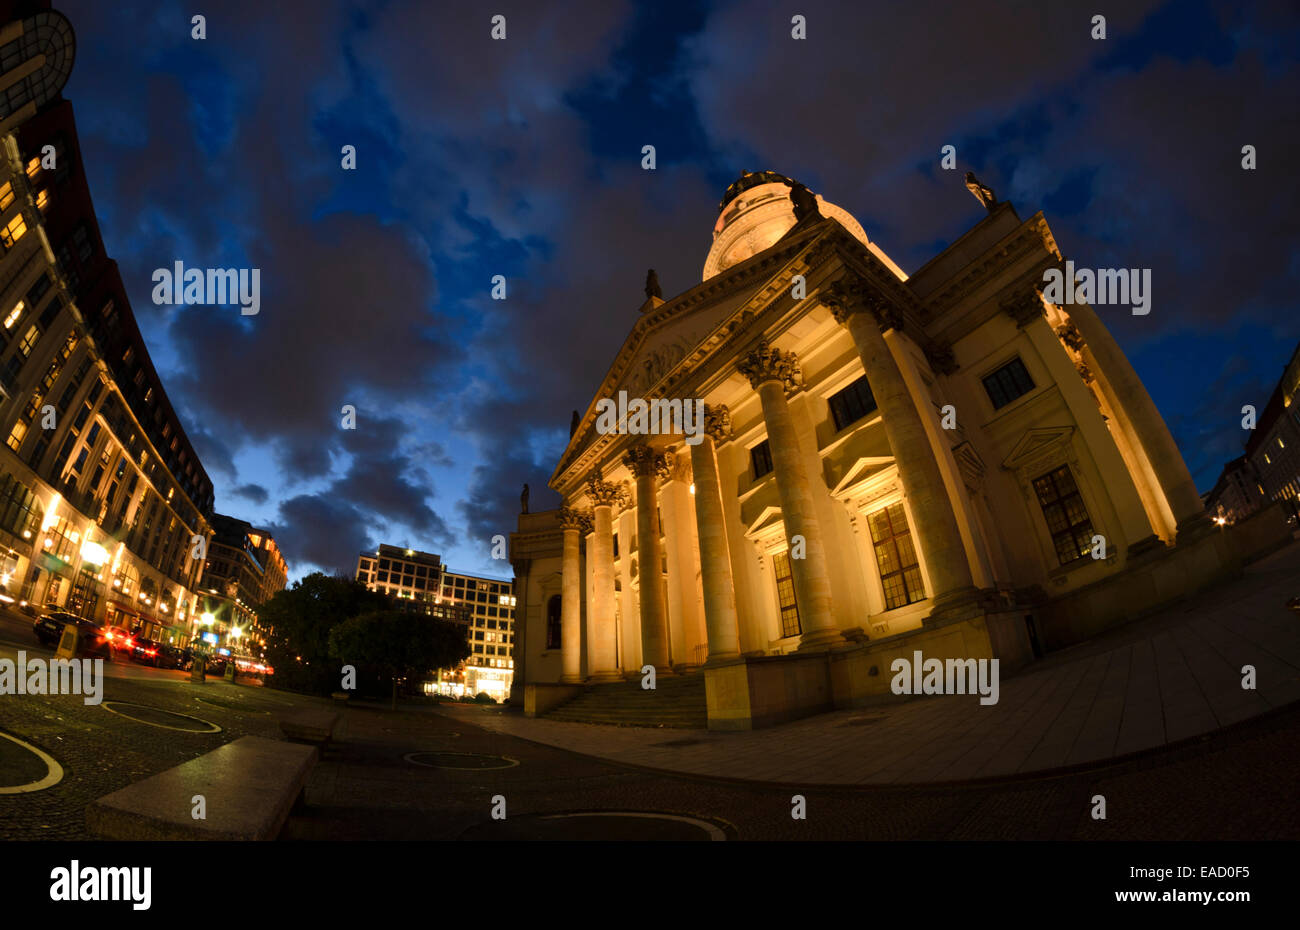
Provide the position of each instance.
(521, 158)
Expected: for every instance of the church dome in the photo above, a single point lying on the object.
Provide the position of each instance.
(755, 213)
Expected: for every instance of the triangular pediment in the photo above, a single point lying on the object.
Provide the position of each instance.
(862, 476)
(1037, 444)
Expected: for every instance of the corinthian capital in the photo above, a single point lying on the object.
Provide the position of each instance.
(1069, 335)
(851, 294)
(571, 518)
(768, 364)
(1024, 307)
(642, 461)
(717, 422)
(605, 493)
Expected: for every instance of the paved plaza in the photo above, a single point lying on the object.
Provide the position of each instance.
(1149, 684)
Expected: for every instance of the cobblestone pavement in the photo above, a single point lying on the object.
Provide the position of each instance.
(1169, 677)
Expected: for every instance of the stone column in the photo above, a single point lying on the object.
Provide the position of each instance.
(771, 372)
(866, 314)
(1147, 424)
(647, 464)
(602, 660)
(573, 524)
(519, 645)
(715, 558)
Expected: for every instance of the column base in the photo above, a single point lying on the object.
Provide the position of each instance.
(955, 605)
(1194, 527)
(571, 679)
(607, 675)
(724, 658)
(819, 640)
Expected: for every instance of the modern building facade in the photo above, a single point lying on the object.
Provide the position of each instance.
(944, 461)
(102, 498)
(1269, 471)
(244, 569)
(491, 606)
(485, 606)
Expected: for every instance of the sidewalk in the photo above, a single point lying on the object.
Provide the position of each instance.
(1166, 678)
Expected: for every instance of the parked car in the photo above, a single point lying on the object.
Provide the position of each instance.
(146, 652)
(92, 639)
(120, 642)
(49, 626)
(172, 657)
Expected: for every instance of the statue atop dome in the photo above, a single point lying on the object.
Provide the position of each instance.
(982, 193)
(805, 203)
(652, 288)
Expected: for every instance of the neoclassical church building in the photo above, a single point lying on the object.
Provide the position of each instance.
(941, 461)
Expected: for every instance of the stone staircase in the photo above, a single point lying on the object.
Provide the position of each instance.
(678, 702)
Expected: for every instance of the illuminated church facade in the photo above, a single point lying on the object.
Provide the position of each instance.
(941, 461)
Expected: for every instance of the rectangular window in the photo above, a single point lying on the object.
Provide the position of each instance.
(13, 315)
(1066, 516)
(852, 404)
(900, 571)
(13, 231)
(785, 595)
(760, 459)
(28, 342)
(6, 195)
(1007, 383)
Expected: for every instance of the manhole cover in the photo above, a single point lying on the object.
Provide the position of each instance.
(637, 826)
(25, 768)
(459, 760)
(863, 721)
(156, 717)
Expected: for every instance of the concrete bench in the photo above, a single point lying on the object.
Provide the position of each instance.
(249, 787)
(310, 726)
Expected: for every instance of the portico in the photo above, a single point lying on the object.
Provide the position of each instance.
(887, 463)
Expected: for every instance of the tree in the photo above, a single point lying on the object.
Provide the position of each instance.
(299, 620)
(399, 643)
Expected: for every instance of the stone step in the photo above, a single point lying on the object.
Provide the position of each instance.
(677, 702)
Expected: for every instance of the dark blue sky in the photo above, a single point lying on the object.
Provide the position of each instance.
(522, 158)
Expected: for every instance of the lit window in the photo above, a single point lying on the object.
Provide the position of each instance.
(900, 571)
(29, 340)
(6, 195)
(785, 595)
(42, 200)
(33, 167)
(1066, 516)
(16, 229)
(14, 314)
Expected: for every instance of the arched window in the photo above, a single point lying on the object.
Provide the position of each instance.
(553, 622)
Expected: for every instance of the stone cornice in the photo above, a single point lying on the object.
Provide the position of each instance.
(1034, 231)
